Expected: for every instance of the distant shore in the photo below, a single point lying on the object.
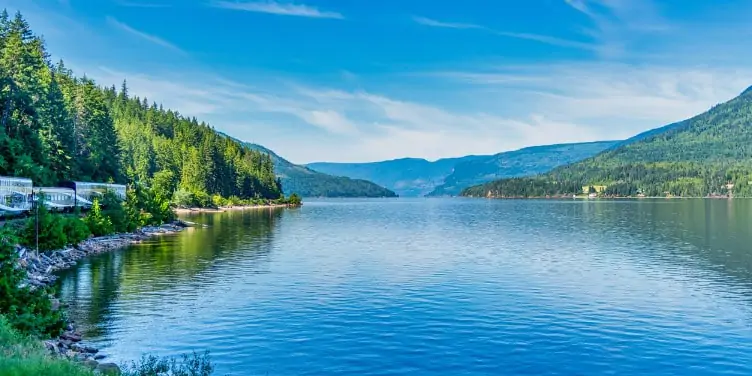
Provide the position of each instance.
(559, 197)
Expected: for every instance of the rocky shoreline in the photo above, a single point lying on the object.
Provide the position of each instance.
(41, 266)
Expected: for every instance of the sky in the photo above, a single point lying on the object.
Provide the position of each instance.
(358, 80)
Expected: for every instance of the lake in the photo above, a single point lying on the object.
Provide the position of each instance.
(436, 287)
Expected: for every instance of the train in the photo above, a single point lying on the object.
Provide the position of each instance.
(19, 195)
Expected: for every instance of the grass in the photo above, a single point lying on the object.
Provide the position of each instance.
(24, 356)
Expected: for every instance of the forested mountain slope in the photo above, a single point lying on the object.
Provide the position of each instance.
(709, 154)
(55, 126)
(308, 183)
(406, 176)
(524, 162)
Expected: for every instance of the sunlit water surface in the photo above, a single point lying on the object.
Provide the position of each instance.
(436, 287)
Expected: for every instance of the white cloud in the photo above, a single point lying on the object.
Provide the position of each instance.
(618, 25)
(135, 4)
(148, 37)
(283, 9)
(546, 39)
(450, 25)
(624, 99)
(557, 103)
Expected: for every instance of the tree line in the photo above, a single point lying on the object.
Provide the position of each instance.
(55, 126)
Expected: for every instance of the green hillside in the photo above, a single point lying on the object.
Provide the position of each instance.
(309, 183)
(524, 162)
(709, 154)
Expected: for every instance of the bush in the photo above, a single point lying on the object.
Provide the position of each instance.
(294, 200)
(219, 201)
(50, 228)
(29, 311)
(151, 206)
(150, 365)
(75, 229)
(98, 223)
(183, 198)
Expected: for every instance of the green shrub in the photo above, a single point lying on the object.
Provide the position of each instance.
(294, 200)
(75, 229)
(50, 228)
(183, 198)
(29, 311)
(190, 365)
(98, 223)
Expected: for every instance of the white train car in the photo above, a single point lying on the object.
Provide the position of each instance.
(86, 192)
(15, 195)
(58, 199)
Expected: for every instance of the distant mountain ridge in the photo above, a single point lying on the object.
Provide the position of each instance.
(448, 176)
(523, 162)
(406, 176)
(308, 183)
(707, 155)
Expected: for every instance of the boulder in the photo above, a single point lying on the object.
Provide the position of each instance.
(108, 369)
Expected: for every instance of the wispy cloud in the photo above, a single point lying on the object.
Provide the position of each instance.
(283, 9)
(148, 37)
(449, 25)
(618, 24)
(135, 4)
(554, 41)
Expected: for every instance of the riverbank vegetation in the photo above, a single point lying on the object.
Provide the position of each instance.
(707, 155)
(21, 355)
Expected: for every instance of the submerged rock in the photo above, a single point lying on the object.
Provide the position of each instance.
(108, 368)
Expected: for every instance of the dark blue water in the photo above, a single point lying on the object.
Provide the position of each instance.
(437, 287)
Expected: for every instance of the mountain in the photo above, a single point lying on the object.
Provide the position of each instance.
(419, 177)
(308, 183)
(709, 154)
(523, 162)
(406, 176)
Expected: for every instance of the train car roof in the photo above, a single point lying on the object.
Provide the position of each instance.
(95, 183)
(13, 178)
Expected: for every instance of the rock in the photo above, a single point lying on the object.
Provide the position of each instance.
(50, 345)
(99, 357)
(65, 343)
(85, 349)
(73, 337)
(108, 368)
(55, 304)
(80, 357)
(91, 363)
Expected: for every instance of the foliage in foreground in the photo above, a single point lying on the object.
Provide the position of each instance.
(22, 355)
(29, 311)
(190, 365)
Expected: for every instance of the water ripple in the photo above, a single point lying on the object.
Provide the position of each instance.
(437, 287)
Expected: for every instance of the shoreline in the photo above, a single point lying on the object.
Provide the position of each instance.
(40, 268)
(603, 198)
(223, 209)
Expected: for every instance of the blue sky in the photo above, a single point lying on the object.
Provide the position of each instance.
(347, 80)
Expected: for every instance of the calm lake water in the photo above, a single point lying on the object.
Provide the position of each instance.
(436, 287)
